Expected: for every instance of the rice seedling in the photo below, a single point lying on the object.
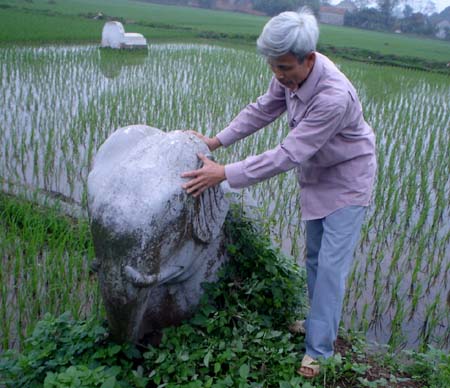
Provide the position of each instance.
(58, 104)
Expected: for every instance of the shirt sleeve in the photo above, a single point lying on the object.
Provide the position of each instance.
(257, 115)
(322, 122)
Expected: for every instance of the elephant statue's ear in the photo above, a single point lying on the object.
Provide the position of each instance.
(209, 212)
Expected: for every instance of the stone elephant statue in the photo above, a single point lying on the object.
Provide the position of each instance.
(154, 243)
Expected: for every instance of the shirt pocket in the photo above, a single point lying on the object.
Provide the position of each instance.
(296, 111)
(296, 118)
(308, 173)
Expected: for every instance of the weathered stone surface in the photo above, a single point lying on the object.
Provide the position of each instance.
(154, 244)
(114, 36)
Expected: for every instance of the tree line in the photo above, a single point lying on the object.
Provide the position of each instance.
(384, 16)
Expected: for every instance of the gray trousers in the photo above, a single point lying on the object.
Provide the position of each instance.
(330, 246)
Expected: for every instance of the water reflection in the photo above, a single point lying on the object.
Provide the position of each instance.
(113, 61)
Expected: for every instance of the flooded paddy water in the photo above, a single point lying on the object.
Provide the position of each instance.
(58, 104)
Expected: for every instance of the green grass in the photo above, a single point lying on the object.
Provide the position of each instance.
(199, 19)
(20, 26)
(62, 21)
(38, 248)
(385, 43)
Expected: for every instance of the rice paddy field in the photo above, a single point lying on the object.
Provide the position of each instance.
(59, 103)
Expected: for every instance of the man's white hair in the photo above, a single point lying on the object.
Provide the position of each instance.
(289, 32)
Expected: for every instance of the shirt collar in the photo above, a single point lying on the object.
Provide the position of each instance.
(306, 90)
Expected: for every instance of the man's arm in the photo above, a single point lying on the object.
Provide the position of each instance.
(209, 175)
(212, 142)
(320, 125)
(253, 117)
(323, 122)
(256, 115)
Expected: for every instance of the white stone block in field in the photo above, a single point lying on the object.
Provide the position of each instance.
(114, 36)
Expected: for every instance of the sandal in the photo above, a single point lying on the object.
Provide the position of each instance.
(309, 367)
(298, 327)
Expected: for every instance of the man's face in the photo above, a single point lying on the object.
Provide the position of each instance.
(289, 71)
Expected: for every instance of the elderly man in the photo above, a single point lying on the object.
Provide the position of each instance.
(333, 149)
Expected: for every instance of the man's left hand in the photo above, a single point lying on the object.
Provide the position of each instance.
(211, 174)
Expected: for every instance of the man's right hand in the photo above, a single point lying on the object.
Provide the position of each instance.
(212, 142)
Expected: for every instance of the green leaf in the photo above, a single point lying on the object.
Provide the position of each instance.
(161, 358)
(109, 383)
(228, 381)
(184, 356)
(206, 359)
(244, 371)
(232, 249)
(199, 320)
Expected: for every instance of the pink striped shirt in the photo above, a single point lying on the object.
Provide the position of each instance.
(330, 143)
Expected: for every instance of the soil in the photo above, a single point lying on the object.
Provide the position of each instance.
(375, 372)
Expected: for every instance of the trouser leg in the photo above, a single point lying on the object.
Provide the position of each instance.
(314, 232)
(341, 231)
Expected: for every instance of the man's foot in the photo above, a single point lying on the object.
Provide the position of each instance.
(309, 368)
(297, 327)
